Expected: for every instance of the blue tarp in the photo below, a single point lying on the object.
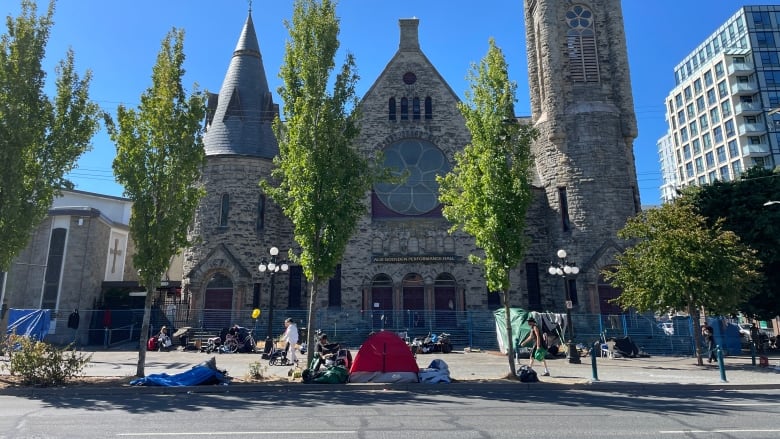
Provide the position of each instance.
(198, 375)
(32, 323)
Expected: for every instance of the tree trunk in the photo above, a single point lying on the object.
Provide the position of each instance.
(696, 333)
(310, 321)
(144, 336)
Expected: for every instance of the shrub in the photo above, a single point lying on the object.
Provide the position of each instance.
(257, 370)
(42, 364)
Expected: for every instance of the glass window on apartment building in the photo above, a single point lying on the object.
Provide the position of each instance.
(759, 161)
(772, 78)
(694, 130)
(687, 93)
(678, 100)
(754, 140)
(680, 173)
(719, 70)
(774, 99)
(712, 98)
(687, 152)
(703, 122)
(769, 59)
(715, 115)
(706, 140)
(736, 169)
(729, 126)
(713, 176)
(722, 89)
(765, 40)
(696, 146)
(750, 119)
(684, 134)
(708, 81)
(681, 117)
(733, 149)
(717, 133)
(709, 158)
(721, 151)
(700, 104)
(689, 169)
(702, 180)
(691, 112)
(761, 20)
(725, 108)
(724, 173)
(699, 165)
(697, 88)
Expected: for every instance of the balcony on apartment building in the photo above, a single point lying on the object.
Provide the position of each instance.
(755, 150)
(751, 129)
(747, 108)
(740, 68)
(744, 87)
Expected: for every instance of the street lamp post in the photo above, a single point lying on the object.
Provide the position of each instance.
(272, 267)
(564, 268)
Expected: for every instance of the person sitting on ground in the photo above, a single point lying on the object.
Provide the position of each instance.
(324, 351)
(163, 339)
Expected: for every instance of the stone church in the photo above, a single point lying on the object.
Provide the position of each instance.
(401, 264)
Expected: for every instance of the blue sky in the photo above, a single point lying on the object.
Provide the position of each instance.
(119, 41)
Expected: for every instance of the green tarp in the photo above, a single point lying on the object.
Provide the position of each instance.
(520, 328)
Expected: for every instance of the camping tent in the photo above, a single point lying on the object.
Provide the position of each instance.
(551, 324)
(384, 358)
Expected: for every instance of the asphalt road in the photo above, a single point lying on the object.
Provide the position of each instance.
(490, 411)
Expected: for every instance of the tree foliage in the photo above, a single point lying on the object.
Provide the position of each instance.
(40, 138)
(322, 178)
(159, 158)
(679, 262)
(740, 203)
(488, 191)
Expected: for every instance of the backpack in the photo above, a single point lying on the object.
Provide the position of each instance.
(151, 344)
(527, 375)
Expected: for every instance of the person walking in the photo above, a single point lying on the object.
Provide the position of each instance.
(291, 337)
(539, 346)
(709, 340)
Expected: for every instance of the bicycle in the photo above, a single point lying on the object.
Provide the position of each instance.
(238, 337)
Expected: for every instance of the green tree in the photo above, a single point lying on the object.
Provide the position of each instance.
(40, 138)
(322, 178)
(740, 203)
(159, 156)
(488, 191)
(679, 262)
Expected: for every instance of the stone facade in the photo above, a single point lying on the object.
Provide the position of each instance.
(401, 258)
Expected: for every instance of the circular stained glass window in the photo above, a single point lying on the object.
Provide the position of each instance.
(422, 161)
(579, 17)
(410, 78)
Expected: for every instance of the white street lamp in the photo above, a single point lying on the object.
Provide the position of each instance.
(272, 267)
(565, 268)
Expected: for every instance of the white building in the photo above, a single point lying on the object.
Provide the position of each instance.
(723, 113)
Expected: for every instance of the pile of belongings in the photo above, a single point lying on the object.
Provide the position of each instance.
(436, 372)
(204, 373)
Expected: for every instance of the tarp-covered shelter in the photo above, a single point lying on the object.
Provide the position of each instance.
(33, 323)
(552, 325)
(384, 358)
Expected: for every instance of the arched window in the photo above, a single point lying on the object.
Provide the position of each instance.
(224, 210)
(391, 109)
(404, 109)
(260, 213)
(428, 108)
(581, 44)
(416, 108)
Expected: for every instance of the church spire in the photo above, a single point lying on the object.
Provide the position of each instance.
(240, 117)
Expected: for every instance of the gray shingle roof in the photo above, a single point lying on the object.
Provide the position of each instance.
(240, 118)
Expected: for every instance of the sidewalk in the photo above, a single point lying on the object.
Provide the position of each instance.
(475, 368)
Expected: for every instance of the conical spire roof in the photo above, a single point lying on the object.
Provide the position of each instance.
(240, 118)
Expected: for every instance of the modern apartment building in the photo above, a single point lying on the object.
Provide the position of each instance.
(724, 112)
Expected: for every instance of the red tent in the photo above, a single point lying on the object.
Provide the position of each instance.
(384, 358)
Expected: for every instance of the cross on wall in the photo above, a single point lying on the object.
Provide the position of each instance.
(115, 252)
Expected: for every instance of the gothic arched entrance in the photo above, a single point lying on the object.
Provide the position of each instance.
(218, 302)
(606, 293)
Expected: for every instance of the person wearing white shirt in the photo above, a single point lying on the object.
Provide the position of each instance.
(291, 337)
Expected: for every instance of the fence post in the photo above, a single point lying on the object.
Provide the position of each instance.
(721, 366)
(105, 337)
(596, 346)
